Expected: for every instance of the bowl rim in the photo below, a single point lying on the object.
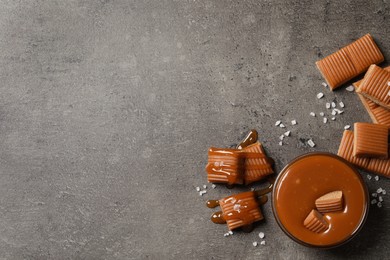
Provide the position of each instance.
(365, 190)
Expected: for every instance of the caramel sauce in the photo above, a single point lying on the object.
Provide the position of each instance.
(251, 138)
(305, 180)
(218, 218)
(212, 203)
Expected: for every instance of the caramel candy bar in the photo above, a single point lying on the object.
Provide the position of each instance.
(330, 202)
(349, 61)
(316, 222)
(346, 151)
(379, 166)
(375, 86)
(378, 114)
(371, 140)
(225, 166)
(257, 164)
(240, 210)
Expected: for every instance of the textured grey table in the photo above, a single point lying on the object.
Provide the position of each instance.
(107, 109)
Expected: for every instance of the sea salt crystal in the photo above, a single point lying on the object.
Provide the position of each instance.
(322, 114)
(311, 143)
(262, 243)
(198, 189)
(278, 123)
(324, 84)
(327, 105)
(254, 243)
(325, 120)
(374, 201)
(334, 112)
(205, 186)
(213, 186)
(333, 104)
(230, 232)
(287, 133)
(320, 95)
(349, 88)
(339, 111)
(369, 176)
(374, 195)
(312, 114)
(282, 126)
(380, 198)
(261, 235)
(280, 143)
(281, 137)
(294, 122)
(384, 192)
(379, 190)
(379, 204)
(347, 127)
(333, 118)
(376, 178)
(341, 104)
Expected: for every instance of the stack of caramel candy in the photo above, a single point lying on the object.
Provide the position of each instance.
(368, 146)
(245, 164)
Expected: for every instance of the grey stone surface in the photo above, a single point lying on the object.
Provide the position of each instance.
(107, 109)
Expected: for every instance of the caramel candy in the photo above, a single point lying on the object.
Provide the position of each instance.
(379, 166)
(375, 86)
(357, 83)
(371, 140)
(378, 114)
(349, 61)
(330, 202)
(240, 210)
(225, 166)
(346, 150)
(257, 164)
(316, 222)
(375, 165)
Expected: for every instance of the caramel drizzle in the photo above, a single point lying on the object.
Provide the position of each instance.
(251, 138)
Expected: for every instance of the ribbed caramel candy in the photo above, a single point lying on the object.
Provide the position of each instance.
(349, 61)
(378, 114)
(257, 164)
(316, 222)
(330, 202)
(375, 86)
(346, 151)
(379, 166)
(371, 140)
(225, 166)
(240, 210)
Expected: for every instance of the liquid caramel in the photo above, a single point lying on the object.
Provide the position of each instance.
(306, 179)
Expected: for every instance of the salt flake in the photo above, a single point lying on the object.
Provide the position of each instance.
(311, 143)
(341, 104)
(320, 95)
(254, 243)
(327, 105)
(294, 122)
(287, 133)
(347, 127)
(350, 88)
(325, 120)
(262, 243)
(278, 123)
(312, 114)
(261, 235)
(282, 126)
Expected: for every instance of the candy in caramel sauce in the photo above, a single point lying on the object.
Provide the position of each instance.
(306, 179)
